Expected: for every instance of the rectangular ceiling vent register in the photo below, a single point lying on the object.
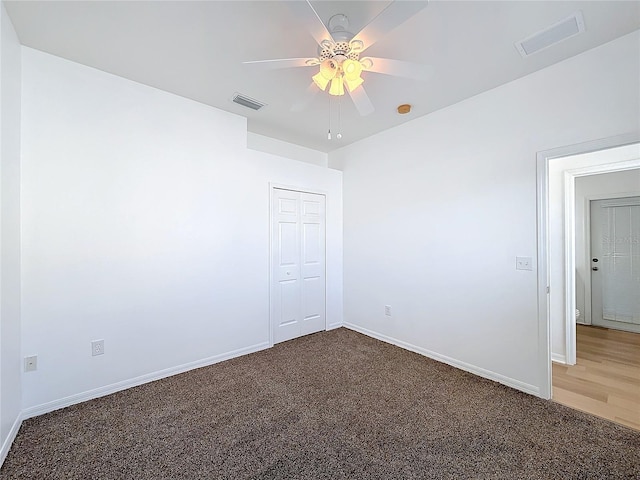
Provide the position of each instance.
(247, 102)
(556, 33)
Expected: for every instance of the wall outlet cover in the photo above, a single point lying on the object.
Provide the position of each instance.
(97, 347)
(31, 363)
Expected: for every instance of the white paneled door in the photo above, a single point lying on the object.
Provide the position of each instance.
(615, 263)
(298, 259)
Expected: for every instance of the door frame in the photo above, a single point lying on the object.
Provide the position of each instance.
(278, 186)
(542, 209)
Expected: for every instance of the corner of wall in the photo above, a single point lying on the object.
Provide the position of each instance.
(10, 322)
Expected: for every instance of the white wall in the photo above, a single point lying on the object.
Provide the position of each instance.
(437, 209)
(146, 224)
(280, 148)
(10, 364)
(612, 184)
(556, 223)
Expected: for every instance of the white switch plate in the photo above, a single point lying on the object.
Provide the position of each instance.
(524, 263)
(97, 347)
(387, 310)
(31, 363)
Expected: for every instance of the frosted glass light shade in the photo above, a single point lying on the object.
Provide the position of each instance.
(320, 80)
(337, 87)
(353, 84)
(352, 69)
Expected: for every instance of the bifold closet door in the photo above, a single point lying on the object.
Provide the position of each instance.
(298, 259)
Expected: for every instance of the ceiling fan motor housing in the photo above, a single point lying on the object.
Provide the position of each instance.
(339, 51)
(339, 47)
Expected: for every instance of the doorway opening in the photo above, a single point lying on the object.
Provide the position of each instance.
(557, 170)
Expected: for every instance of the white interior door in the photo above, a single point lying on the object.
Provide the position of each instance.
(615, 263)
(298, 259)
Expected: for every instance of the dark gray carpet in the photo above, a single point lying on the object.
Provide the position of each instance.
(334, 405)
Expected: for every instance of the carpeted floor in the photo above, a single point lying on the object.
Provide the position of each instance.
(333, 405)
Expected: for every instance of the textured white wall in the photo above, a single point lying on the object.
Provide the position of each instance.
(10, 362)
(146, 224)
(274, 146)
(436, 210)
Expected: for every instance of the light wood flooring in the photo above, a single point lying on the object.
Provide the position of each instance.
(606, 378)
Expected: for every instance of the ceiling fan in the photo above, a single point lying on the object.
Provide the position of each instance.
(340, 59)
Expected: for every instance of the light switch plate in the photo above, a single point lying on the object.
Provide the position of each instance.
(524, 263)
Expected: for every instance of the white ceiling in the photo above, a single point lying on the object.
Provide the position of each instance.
(196, 50)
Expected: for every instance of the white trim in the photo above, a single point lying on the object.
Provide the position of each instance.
(13, 433)
(570, 267)
(628, 327)
(134, 382)
(273, 186)
(557, 358)
(543, 158)
(481, 372)
(544, 327)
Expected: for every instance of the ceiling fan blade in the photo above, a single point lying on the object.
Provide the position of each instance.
(398, 68)
(361, 101)
(396, 13)
(283, 63)
(308, 16)
(307, 98)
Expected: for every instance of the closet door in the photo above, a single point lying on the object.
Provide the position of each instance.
(298, 259)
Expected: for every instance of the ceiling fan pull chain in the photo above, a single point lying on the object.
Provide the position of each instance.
(329, 132)
(339, 135)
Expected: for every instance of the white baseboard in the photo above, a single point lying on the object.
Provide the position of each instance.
(10, 438)
(333, 326)
(134, 382)
(481, 372)
(558, 358)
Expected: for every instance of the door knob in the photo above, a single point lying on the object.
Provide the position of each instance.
(595, 269)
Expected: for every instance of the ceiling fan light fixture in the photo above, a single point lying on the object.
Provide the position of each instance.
(337, 87)
(328, 71)
(353, 84)
(352, 69)
(328, 68)
(321, 81)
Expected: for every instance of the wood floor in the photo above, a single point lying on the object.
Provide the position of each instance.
(606, 378)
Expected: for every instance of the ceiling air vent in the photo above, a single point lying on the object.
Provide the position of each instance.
(247, 102)
(556, 33)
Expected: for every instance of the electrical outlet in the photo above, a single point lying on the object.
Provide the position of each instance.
(524, 263)
(31, 363)
(97, 347)
(387, 310)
